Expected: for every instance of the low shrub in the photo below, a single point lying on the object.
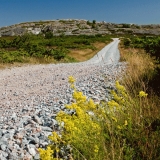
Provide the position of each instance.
(13, 56)
(121, 128)
(46, 45)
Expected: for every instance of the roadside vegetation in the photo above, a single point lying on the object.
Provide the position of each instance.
(151, 46)
(124, 128)
(46, 48)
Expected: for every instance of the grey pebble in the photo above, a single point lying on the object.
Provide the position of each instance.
(3, 147)
(37, 119)
(40, 92)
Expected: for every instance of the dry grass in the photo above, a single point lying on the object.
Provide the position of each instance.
(30, 60)
(47, 60)
(9, 65)
(85, 54)
(140, 67)
(145, 112)
(140, 70)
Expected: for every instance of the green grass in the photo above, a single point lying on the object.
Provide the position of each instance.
(26, 47)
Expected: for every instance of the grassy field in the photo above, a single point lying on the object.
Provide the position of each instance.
(35, 49)
(85, 54)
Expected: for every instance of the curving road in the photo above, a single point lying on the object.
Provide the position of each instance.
(31, 96)
(108, 55)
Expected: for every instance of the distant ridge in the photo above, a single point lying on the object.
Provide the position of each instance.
(78, 27)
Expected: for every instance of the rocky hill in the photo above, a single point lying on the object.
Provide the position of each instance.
(77, 27)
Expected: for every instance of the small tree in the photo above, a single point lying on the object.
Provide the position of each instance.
(49, 35)
(88, 23)
(126, 42)
(94, 21)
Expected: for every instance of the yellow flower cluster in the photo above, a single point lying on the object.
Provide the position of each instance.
(142, 94)
(115, 119)
(53, 148)
(113, 103)
(117, 106)
(78, 129)
(71, 79)
(83, 129)
(123, 126)
(125, 122)
(54, 137)
(120, 87)
(96, 149)
(119, 100)
(46, 154)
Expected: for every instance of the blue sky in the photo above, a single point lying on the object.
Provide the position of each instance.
(116, 11)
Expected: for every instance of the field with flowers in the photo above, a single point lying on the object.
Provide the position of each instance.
(127, 127)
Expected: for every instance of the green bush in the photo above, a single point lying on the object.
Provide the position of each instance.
(124, 25)
(127, 42)
(89, 23)
(59, 54)
(49, 35)
(40, 46)
(94, 21)
(13, 56)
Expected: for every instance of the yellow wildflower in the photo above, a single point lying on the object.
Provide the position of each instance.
(46, 154)
(54, 137)
(125, 123)
(71, 79)
(96, 148)
(91, 104)
(120, 87)
(114, 118)
(142, 94)
(119, 127)
(112, 103)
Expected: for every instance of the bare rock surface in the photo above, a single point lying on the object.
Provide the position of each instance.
(78, 27)
(32, 95)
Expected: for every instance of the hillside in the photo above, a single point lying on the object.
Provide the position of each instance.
(96, 117)
(78, 27)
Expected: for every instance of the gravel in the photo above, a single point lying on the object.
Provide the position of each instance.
(32, 95)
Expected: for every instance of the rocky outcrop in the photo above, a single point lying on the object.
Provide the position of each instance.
(78, 27)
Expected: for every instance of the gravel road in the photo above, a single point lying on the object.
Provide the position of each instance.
(108, 55)
(32, 95)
